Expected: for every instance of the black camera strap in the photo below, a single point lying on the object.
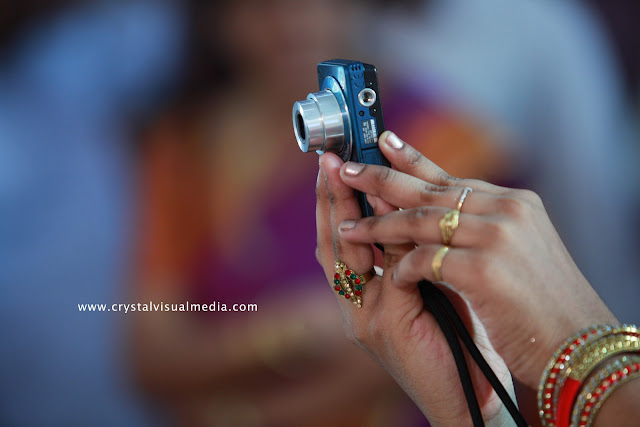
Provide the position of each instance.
(431, 303)
(450, 322)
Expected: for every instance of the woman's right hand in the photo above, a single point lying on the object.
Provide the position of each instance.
(506, 258)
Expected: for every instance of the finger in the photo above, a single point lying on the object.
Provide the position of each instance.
(406, 191)
(392, 252)
(380, 206)
(418, 226)
(407, 159)
(459, 266)
(344, 205)
(399, 302)
(324, 250)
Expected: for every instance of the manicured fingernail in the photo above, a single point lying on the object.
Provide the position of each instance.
(353, 168)
(393, 141)
(347, 225)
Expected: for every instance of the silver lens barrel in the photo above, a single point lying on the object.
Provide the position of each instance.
(318, 123)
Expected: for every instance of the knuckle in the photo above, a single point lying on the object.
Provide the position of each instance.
(429, 193)
(416, 217)
(510, 207)
(370, 224)
(332, 198)
(531, 196)
(444, 179)
(415, 158)
(382, 175)
(496, 233)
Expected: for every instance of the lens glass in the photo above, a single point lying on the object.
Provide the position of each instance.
(301, 129)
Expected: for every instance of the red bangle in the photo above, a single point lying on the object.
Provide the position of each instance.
(547, 392)
(565, 401)
(621, 340)
(600, 387)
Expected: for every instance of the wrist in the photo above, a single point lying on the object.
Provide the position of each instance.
(544, 349)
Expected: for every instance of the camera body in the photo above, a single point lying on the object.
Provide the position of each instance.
(344, 117)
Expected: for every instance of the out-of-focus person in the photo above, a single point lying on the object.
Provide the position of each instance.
(72, 75)
(227, 214)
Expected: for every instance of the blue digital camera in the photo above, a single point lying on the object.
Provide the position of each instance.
(344, 117)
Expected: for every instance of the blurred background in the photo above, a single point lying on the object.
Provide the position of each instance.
(147, 154)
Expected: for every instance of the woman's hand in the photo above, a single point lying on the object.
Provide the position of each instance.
(506, 259)
(392, 325)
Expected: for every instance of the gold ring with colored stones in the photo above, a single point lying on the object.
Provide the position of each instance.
(349, 284)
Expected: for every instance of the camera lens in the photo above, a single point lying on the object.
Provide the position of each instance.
(318, 123)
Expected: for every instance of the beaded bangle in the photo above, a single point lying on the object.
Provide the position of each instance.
(619, 340)
(600, 387)
(624, 339)
(583, 351)
(567, 369)
(547, 396)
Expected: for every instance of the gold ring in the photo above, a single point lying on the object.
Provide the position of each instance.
(436, 263)
(448, 224)
(349, 284)
(465, 192)
(450, 221)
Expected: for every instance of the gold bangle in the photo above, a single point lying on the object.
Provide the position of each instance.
(599, 352)
(552, 374)
(575, 359)
(596, 391)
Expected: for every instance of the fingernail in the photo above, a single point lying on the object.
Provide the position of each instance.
(393, 141)
(347, 225)
(353, 168)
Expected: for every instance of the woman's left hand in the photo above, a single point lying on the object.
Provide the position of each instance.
(392, 325)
